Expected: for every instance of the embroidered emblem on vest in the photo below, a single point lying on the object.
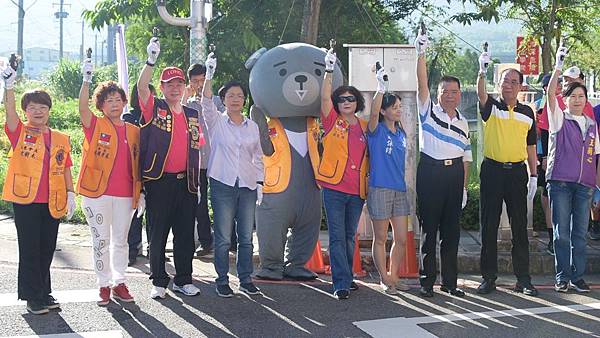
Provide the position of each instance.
(60, 157)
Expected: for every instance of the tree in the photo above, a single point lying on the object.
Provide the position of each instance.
(310, 21)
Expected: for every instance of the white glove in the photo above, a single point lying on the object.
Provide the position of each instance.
(531, 187)
(9, 75)
(330, 60)
(561, 54)
(259, 194)
(153, 50)
(485, 60)
(141, 205)
(71, 205)
(380, 81)
(421, 43)
(211, 66)
(87, 69)
(464, 201)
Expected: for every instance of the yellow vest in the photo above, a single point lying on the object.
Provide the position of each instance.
(278, 166)
(25, 169)
(335, 156)
(99, 158)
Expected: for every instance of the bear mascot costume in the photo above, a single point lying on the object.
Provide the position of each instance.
(285, 83)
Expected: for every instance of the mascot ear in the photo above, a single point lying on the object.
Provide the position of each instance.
(254, 57)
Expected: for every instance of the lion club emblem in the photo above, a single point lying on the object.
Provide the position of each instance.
(60, 157)
(195, 133)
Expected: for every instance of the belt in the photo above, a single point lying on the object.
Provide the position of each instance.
(178, 176)
(505, 165)
(443, 163)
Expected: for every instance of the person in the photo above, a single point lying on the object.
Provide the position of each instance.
(509, 141)
(170, 141)
(571, 75)
(387, 201)
(235, 170)
(572, 177)
(594, 231)
(442, 175)
(342, 174)
(109, 183)
(40, 186)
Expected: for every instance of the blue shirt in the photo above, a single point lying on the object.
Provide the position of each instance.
(387, 151)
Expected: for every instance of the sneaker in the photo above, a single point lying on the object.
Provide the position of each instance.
(353, 286)
(203, 252)
(580, 286)
(426, 292)
(120, 292)
(400, 286)
(453, 291)
(594, 232)
(561, 286)
(104, 296)
(188, 289)
(249, 288)
(51, 303)
(37, 308)
(158, 292)
(526, 288)
(388, 290)
(550, 248)
(224, 291)
(486, 287)
(342, 294)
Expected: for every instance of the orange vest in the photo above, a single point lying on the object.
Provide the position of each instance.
(99, 157)
(25, 169)
(335, 156)
(278, 166)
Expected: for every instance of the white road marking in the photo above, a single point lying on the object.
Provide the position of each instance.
(91, 334)
(64, 296)
(409, 327)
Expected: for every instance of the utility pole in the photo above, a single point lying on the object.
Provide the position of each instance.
(310, 21)
(96, 50)
(61, 15)
(82, 41)
(110, 44)
(20, 35)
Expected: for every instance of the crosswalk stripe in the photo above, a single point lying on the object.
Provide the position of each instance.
(91, 334)
(64, 296)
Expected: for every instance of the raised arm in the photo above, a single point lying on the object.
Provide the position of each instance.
(153, 50)
(12, 118)
(326, 88)
(209, 109)
(376, 105)
(561, 53)
(85, 114)
(422, 86)
(484, 63)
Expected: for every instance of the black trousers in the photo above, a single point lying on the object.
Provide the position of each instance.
(499, 185)
(134, 238)
(203, 224)
(439, 192)
(170, 206)
(36, 233)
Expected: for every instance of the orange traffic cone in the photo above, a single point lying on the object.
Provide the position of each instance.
(315, 263)
(357, 269)
(409, 268)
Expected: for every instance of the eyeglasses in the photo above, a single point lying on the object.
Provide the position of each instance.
(350, 98)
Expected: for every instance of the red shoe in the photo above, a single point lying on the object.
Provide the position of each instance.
(120, 292)
(104, 296)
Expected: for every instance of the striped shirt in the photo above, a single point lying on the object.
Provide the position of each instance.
(442, 137)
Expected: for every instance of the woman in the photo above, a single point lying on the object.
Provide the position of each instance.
(387, 200)
(572, 177)
(235, 170)
(40, 185)
(342, 174)
(109, 183)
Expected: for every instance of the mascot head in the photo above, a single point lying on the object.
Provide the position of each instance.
(285, 81)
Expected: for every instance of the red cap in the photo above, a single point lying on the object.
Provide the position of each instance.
(171, 73)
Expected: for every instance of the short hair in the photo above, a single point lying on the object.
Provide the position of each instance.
(196, 69)
(223, 90)
(38, 96)
(106, 88)
(571, 88)
(448, 79)
(388, 100)
(360, 100)
(515, 70)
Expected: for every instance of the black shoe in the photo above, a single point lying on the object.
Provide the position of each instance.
(249, 288)
(454, 291)
(526, 288)
(132, 261)
(486, 287)
(353, 286)
(426, 292)
(203, 252)
(342, 294)
(580, 286)
(594, 232)
(561, 286)
(550, 248)
(51, 303)
(224, 291)
(37, 308)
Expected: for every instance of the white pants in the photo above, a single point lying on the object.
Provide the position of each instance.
(109, 219)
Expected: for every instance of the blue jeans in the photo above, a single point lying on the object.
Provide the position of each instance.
(343, 212)
(570, 205)
(232, 204)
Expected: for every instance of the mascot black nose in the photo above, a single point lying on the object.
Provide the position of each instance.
(301, 78)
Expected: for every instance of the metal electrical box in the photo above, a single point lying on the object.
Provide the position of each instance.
(398, 60)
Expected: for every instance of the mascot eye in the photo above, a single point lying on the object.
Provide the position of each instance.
(318, 72)
(282, 72)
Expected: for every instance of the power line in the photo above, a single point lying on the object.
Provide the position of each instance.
(286, 22)
(372, 22)
(448, 30)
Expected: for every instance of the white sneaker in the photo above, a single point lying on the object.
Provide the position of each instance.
(400, 286)
(158, 292)
(188, 289)
(388, 290)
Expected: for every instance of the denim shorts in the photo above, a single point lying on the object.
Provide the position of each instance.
(384, 203)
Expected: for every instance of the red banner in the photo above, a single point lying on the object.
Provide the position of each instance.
(528, 56)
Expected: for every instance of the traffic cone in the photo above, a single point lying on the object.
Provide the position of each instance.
(409, 268)
(315, 263)
(357, 269)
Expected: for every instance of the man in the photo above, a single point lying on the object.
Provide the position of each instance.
(441, 176)
(170, 142)
(509, 140)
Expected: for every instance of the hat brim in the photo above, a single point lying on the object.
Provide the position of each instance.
(173, 78)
